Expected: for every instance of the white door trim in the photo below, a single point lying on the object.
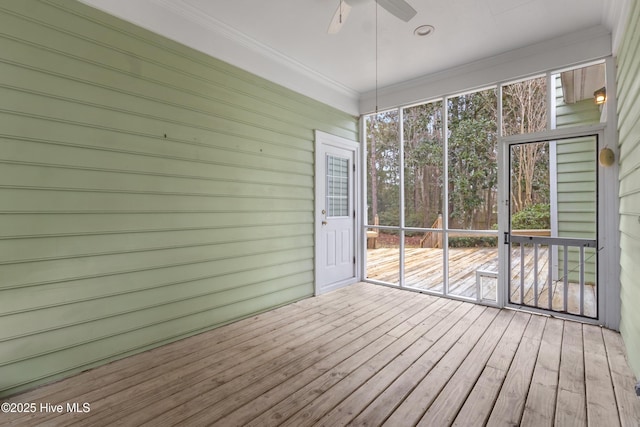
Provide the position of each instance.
(326, 139)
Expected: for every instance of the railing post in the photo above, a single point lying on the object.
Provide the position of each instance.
(550, 278)
(581, 280)
(566, 279)
(535, 274)
(522, 262)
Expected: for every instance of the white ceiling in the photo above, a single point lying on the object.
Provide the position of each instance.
(287, 41)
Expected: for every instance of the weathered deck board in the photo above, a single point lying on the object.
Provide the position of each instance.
(343, 389)
(509, 406)
(326, 354)
(571, 407)
(187, 388)
(479, 404)
(601, 402)
(448, 403)
(255, 407)
(420, 355)
(540, 406)
(362, 355)
(424, 270)
(439, 338)
(264, 370)
(622, 378)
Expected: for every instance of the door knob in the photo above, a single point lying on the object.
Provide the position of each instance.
(324, 222)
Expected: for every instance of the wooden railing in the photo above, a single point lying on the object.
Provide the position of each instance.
(532, 232)
(433, 239)
(372, 235)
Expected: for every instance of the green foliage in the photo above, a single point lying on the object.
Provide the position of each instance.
(472, 158)
(533, 217)
(473, 242)
(383, 192)
(473, 168)
(390, 214)
(423, 157)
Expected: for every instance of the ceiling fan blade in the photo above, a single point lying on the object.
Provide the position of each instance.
(339, 18)
(399, 8)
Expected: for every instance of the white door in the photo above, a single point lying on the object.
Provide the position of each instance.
(335, 212)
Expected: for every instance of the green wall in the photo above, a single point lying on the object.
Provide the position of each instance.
(147, 191)
(576, 178)
(629, 133)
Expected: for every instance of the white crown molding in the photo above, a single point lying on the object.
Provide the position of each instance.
(574, 48)
(186, 24)
(198, 16)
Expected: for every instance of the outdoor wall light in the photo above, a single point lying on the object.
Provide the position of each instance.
(600, 95)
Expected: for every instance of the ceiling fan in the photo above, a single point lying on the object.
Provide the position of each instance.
(399, 8)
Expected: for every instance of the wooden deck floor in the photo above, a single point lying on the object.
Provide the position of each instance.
(362, 355)
(424, 267)
(424, 270)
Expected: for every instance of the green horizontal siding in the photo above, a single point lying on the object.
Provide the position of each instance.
(576, 114)
(628, 89)
(576, 183)
(147, 191)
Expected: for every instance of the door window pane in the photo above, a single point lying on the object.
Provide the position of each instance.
(337, 186)
(530, 186)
